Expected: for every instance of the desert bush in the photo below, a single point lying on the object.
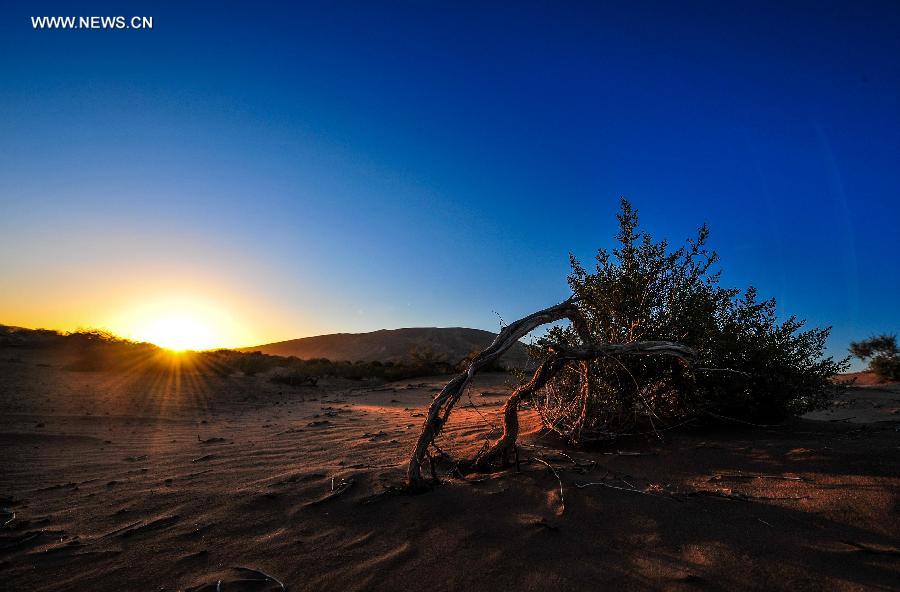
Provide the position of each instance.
(294, 378)
(426, 365)
(751, 366)
(252, 363)
(428, 361)
(97, 349)
(493, 366)
(882, 353)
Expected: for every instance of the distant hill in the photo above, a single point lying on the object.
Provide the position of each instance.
(393, 345)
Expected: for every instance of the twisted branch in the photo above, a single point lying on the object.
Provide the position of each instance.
(442, 405)
(555, 362)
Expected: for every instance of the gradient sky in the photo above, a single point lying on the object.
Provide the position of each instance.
(344, 166)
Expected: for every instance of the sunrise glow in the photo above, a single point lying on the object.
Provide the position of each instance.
(178, 333)
(179, 323)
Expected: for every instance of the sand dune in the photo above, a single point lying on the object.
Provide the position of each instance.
(124, 483)
(392, 345)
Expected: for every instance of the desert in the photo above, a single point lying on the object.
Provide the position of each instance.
(449, 296)
(114, 481)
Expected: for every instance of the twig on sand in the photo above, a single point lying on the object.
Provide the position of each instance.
(736, 420)
(741, 497)
(390, 490)
(631, 489)
(562, 499)
(874, 550)
(579, 464)
(10, 513)
(266, 577)
(743, 476)
(336, 489)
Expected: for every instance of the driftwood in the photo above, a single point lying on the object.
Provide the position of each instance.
(442, 405)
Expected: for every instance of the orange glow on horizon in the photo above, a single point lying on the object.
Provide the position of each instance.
(178, 333)
(179, 324)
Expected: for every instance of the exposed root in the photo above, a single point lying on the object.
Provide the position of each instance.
(740, 497)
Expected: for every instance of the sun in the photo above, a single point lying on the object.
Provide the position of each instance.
(178, 332)
(180, 322)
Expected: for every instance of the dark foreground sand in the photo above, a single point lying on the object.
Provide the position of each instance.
(127, 482)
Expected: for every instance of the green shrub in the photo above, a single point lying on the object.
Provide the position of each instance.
(751, 366)
(882, 353)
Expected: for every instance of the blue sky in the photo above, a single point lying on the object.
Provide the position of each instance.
(339, 166)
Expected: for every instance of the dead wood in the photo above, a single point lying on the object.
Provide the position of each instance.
(617, 487)
(442, 405)
(8, 515)
(337, 489)
(557, 360)
(562, 497)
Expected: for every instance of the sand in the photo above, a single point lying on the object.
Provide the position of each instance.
(129, 482)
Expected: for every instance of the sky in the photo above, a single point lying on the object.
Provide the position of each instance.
(343, 167)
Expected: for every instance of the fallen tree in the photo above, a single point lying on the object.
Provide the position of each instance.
(652, 341)
(442, 405)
